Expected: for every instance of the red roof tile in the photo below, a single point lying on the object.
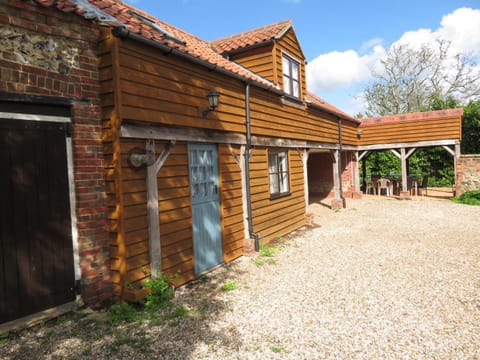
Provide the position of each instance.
(322, 104)
(118, 13)
(428, 115)
(252, 37)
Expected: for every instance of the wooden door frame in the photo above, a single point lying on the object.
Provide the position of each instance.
(19, 116)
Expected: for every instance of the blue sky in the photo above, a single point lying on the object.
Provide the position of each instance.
(341, 39)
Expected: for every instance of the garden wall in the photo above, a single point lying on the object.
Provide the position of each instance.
(468, 173)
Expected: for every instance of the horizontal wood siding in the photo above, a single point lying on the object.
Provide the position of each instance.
(175, 218)
(290, 45)
(411, 131)
(259, 60)
(349, 133)
(231, 202)
(171, 91)
(273, 218)
(271, 117)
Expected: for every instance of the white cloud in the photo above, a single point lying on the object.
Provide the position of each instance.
(462, 28)
(338, 69)
(350, 69)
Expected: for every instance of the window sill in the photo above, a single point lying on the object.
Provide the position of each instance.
(293, 101)
(276, 196)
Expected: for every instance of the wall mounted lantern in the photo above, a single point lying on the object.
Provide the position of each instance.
(359, 133)
(212, 98)
(138, 157)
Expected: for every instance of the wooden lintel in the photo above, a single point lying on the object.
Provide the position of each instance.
(408, 145)
(159, 132)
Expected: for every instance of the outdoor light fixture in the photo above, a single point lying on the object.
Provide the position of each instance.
(138, 157)
(212, 98)
(359, 133)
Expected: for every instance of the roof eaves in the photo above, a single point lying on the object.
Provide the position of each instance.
(91, 12)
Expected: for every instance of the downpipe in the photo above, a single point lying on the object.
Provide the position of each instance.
(248, 146)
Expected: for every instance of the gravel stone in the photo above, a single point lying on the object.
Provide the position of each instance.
(382, 278)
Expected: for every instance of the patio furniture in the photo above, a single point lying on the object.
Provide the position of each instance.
(423, 186)
(412, 185)
(384, 184)
(370, 186)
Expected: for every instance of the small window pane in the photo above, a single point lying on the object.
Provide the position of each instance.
(286, 66)
(294, 70)
(284, 182)
(274, 186)
(296, 90)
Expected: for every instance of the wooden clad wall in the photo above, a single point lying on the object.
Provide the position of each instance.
(411, 131)
(167, 90)
(273, 218)
(231, 202)
(259, 60)
(290, 45)
(175, 216)
(349, 132)
(271, 117)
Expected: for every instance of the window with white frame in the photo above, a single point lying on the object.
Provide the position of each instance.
(291, 76)
(278, 172)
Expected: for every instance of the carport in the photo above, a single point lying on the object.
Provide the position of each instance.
(404, 134)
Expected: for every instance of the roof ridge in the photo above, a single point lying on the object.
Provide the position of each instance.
(418, 115)
(252, 31)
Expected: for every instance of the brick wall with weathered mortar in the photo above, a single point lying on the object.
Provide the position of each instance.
(468, 173)
(47, 52)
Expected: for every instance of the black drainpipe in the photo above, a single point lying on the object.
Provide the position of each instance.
(340, 149)
(251, 233)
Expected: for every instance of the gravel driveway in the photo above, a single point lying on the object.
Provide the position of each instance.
(382, 279)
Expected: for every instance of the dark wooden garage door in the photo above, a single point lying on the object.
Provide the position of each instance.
(36, 255)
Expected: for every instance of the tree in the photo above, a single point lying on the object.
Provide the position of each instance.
(421, 79)
(471, 128)
(414, 79)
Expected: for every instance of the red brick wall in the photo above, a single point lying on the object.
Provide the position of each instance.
(348, 174)
(468, 174)
(63, 63)
(320, 174)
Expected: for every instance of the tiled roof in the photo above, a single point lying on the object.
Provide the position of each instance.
(117, 13)
(322, 104)
(252, 37)
(428, 115)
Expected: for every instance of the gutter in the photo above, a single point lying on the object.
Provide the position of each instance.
(122, 32)
(251, 233)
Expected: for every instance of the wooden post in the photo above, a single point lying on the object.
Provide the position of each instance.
(403, 161)
(305, 156)
(153, 214)
(356, 173)
(337, 202)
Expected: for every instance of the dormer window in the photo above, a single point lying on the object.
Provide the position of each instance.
(291, 76)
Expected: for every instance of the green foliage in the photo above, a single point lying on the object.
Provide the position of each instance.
(3, 337)
(161, 292)
(267, 251)
(471, 128)
(178, 312)
(229, 286)
(122, 313)
(469, 198)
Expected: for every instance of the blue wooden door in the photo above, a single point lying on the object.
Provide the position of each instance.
(207, 237)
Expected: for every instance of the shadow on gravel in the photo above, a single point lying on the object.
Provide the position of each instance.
(176, 332)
